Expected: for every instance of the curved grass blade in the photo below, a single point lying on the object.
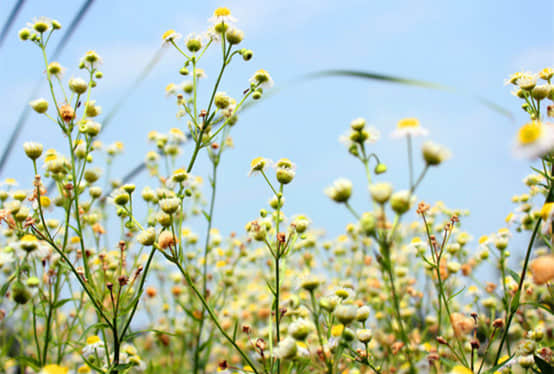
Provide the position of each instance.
(23, 116)
(407, 81)
(9, 22)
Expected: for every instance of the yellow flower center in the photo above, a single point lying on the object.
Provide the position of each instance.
(407, 123)
(546, 210)
(93, 339)
(458, 369)
(529, 133)
(29, 238)
(167, 34)
(257, 164)
(54, 369)
(222, 12)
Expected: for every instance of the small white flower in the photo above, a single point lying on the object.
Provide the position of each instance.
(409, 127)
(170, 35)
(534, 139)
(222, 15)
(93, 346)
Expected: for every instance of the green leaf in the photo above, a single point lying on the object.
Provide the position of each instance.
(406, 81)
(5, 287)
(514, 275)
(544, 366)
(515, 302)
(60, 303)
(235, 329)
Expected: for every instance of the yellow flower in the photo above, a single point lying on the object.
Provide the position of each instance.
(259, 164)
(337, 330)
(170, 35)
(54, 369)
(546, 73)
(546, 210)
(408, 127)
(458, 369)
(45, 201)
(222, 15)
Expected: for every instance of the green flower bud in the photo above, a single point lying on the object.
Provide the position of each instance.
(98, 75)
(363, 313)
(39, 105)
(32, 150)
(247, 55)
(92, 110)
(20, 293)
(380, 169)
(121, 198)
(358, 124)
(364, 335)
(287, 348)
(434, 154)
(380, 192)
(540, 92)
(310, 283)
(24, 34)
(346, 313)
(163, 219)
(184, 71)
(170, 205)
(401, 201)
(56, 25)
(234, 36)
(221, 100)
(95, 192)
(300, 329)
(147, 237)
(129, 188)
(78, 85)
(32, 282)
(340, 191)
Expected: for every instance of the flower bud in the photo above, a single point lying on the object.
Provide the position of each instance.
(194, 44)
(368, 223)
(346, 313)
(147, 237)
(363, 313)
(358, 124)
(364, 335)
(78, 85)
(92, 110)
(340, 191)
(163, 219)
(221, 100)
(400, 201)
(380, 168)
(310, 283)
(32, 282)
(541, 91)
(24, 33)
(32, 150)
(121, 198)
(300, 329)
(170, 205)
(287, 348)
(234, 36)
(285, 171)
(434, 154)
(66, 112)
(166, 240)
(20, 293)
(95, 192)
(247, 54)
(380, 192)
(39, 105)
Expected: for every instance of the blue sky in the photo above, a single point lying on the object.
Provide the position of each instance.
(471, 45)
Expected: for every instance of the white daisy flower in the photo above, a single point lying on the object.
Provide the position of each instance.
(6, 258)
(534, 139)
(93, 346)
(170, 35)
(222, 15)
(409, 127)
(259, 164)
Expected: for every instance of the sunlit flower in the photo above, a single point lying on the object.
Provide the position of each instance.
(262, 79)
(93, 346)
(259, 164)
(170, 35)
(91, 59)
(54, 369)
(534, 139)
(222, 15)
(408, 127)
